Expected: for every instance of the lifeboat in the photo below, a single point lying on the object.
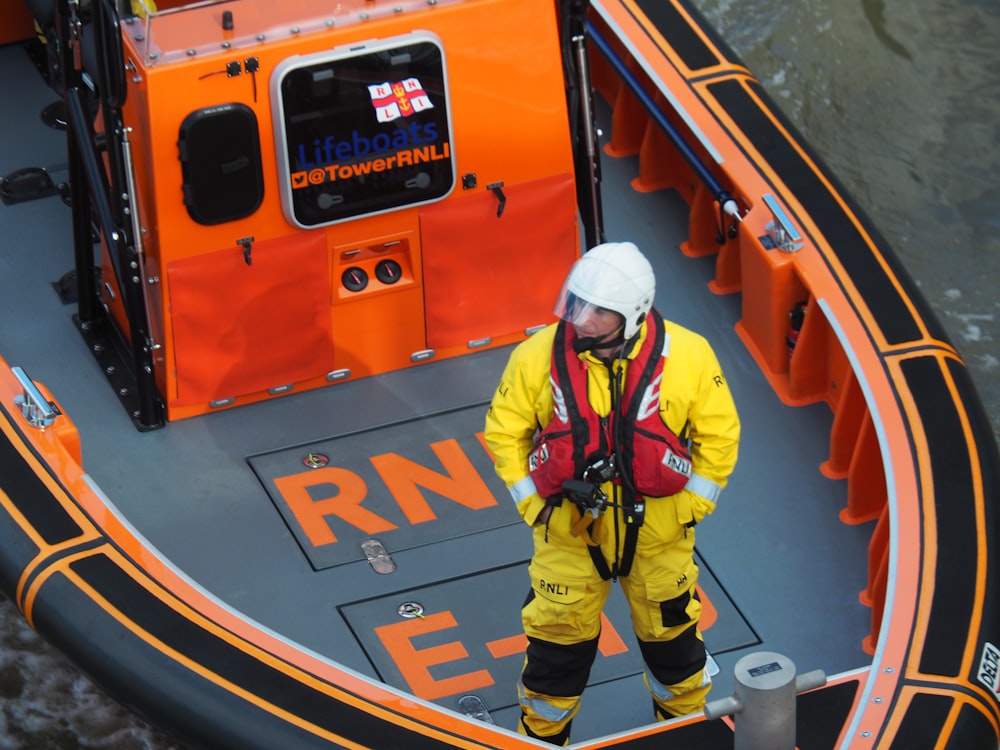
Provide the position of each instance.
(263, 265)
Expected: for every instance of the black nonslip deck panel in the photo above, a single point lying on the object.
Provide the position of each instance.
(988, 452)
(666, 17)
(80, 626)
(954, 598)
(16, 552)
(820, 715)
(922, 722)
(30, 495)
(20, 485)
(680, 34)
(898, 324)
(140, 676)
(972, 729)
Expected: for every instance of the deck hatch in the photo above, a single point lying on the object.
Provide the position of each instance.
(468, 638)
(407, 484)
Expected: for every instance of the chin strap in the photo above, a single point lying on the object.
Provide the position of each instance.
(585, 344)
(582, 345)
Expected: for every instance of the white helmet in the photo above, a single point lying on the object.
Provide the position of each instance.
(615, 276)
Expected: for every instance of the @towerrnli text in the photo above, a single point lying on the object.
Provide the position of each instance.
(406, 158)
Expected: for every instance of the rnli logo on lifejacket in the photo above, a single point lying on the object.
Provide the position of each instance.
(989, 668)
(677, 463)
(399, 99)
(538, 457)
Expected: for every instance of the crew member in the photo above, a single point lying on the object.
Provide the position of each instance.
(615, 432)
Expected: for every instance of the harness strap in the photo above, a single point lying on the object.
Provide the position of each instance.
(636, 508)
(577, 422)
(591, 529)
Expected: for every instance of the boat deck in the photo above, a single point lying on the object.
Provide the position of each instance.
(218, 495)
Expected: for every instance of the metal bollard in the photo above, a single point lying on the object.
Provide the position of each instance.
(763, 704)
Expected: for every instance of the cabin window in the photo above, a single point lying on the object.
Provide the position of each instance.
(362, 130)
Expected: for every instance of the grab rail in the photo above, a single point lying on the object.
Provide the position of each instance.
(655, 111)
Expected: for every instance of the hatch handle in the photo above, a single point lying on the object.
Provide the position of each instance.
(36, 409)
(497, 188)
(247, 244)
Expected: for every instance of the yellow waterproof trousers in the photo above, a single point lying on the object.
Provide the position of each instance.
(562, 619)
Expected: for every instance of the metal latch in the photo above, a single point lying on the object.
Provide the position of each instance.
(782, 231)
(35, 408)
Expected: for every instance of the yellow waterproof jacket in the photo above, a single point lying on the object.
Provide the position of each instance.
(694, 396)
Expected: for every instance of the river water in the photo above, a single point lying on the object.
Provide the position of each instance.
(901, 98)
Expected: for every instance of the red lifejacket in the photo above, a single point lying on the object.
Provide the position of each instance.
(649, 458)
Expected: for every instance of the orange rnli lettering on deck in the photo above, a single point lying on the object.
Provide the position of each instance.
(462, 482)
(708, 612)
(316, 495)
(345, 493)
(415, 664)
(481, 437)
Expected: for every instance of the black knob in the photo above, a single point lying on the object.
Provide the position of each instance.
(354, 278)
(388, 271)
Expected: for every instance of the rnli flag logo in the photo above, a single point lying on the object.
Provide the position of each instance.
(399, 99)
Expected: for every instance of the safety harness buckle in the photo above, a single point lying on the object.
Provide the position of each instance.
(601, 470)
(589, 498)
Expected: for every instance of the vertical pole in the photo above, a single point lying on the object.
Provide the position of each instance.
(583, 128)
(83, 243)
(592, 210)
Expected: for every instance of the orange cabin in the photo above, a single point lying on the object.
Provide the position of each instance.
(342, 196)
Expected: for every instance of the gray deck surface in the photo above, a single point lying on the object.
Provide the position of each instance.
(784, 572)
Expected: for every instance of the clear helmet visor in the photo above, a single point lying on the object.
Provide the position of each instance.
(590, 321)
(608, 287)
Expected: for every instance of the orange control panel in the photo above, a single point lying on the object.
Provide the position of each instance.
(375, 268)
